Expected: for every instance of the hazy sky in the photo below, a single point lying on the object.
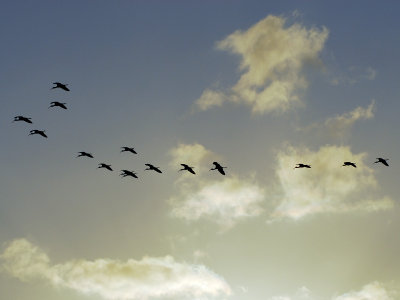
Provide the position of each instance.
(258, 86)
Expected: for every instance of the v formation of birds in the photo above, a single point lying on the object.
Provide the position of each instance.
(125, 173)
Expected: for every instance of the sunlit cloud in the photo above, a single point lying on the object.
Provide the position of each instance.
(327, 187)
(371, 291)
(148, 278)
(340, 126)
(224, 201)
(273, 56)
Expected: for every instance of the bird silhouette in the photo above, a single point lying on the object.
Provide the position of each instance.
(59, 104)
(218, 167)
(22, 118)
(82, 153)
(105, 166)
(151, 167)
(349, 163)
(382, 160)
(128, 149)
(40, 132)
(187, 168)
(125, 173)
(59, 85)
(299, 166)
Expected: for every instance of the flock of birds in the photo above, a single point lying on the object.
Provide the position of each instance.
(124, 173)
(349, 163)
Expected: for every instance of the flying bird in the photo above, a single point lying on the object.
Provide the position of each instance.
(151, 167)
(85, 154)
(22, 118)
(349, 163)
(59, 104)
(187, 168)
(382, 160)
(218, 167)
(105, 166)
(299, 166)
(40, 132)
(125, 173)
(59, 85)
(128, 149)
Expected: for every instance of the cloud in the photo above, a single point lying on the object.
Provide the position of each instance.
(273, 56)
(225, 201)
(354, 75)
(371, 291)
(327, 187)
(340, 125)
(150, 277)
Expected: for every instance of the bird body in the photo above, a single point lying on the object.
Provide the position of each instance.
(349, 163)
(22, 118)
(382, 161)
(59, 85)
(82, 153)
(128, 149)
(105, 166)
(153, 168)
(125, 173)
(218, 167)
(187, 168)
(40, 132)
(300, 166)
(59, 104)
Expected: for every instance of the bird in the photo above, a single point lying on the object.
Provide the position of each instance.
(125, 173)
(382, 160)
(128, 149)
(349, 163)
(218, 167)
(105, 166)
(151, 167)
(82, 153)
(59, 104)
(299, 166)
(22, 118)
(40, 132)
(60, 86)
(187, 168)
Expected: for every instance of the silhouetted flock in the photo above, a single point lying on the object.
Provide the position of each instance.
(125, 173)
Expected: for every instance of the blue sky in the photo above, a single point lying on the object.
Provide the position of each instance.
(138, 71)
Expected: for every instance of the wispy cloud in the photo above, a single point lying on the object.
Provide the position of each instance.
(273, 56)
(327, 187)
(150, 277)
(339, 126)
(225, 201)
(354, 75)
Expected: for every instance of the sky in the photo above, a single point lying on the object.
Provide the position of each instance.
(258, 86)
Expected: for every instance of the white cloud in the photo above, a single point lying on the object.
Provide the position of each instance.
(150, 277)
(339, 126)
(327, 187)
(371, 291)
(273, 57)
(225, 201)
